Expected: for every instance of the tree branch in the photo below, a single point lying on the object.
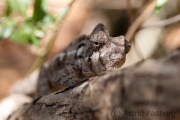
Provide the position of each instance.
(144, 88)
(51, 39)
(149, 8)
(163, 23)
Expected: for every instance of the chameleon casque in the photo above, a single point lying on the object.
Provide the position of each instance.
(86, 57)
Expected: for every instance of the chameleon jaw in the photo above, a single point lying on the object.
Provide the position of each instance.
(115, 63)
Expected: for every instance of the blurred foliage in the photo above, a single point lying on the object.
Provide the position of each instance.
(159, 4)
(22, 28)
(17, 25)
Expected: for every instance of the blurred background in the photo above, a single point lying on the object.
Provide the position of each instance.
(32, 31)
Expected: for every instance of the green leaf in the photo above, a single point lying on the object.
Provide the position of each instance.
(159, 4)
(23, 33)
(8, 9)
(32, 28)
(17, 5)
(26, 33)
(6, 31)
(34, 40)
(7, 27)
(48, 20)
(39, 10)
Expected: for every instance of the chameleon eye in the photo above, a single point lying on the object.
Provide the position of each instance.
(96, 43)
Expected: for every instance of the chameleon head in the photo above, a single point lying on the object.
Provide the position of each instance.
(107, 52)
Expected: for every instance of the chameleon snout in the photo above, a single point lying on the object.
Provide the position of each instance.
(127, 46)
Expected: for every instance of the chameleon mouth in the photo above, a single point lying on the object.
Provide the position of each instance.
(116, 63)
(127, 46)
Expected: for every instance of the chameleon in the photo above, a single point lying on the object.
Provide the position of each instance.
(86, 57)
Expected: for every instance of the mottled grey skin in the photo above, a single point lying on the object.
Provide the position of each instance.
(86, 57)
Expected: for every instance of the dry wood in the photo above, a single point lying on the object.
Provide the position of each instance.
(148, 10)
(133, 93)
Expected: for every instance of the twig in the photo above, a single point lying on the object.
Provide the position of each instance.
(130, 16)
(129, 11)
(41, 59)
(149, 8)
(163, 23)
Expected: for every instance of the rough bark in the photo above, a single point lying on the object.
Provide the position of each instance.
(134, 93)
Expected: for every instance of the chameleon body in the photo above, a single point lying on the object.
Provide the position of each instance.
(86, 57)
